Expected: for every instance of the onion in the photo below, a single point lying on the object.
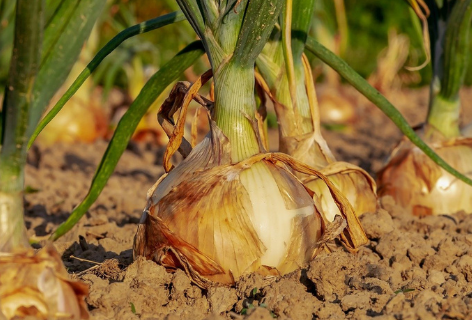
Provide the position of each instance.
(219, 220)
(415, 181)
(335, 107)
(355, 184)
(421, 186)
(80, 121)
(311, 148)
(37, 285)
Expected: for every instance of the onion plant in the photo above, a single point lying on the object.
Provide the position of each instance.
(331, 29)
(410, 177)
(44, 51)
(299, 121)
(230, 207)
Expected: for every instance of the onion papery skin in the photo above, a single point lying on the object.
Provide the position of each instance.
(37, 285)
(421, 186)
(353, 182)
(218, 220)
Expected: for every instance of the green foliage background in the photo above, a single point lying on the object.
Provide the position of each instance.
(369, 22)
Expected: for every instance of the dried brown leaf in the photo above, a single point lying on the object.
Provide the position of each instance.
(170, 106)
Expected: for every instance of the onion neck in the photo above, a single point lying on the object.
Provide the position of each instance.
(12, 227)
(234, 101)
(295, 122)
(444, 116)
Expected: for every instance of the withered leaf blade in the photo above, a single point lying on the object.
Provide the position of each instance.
(178, 102)
(353, 182)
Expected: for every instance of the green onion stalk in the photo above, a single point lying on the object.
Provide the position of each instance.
(35, 283)
(15, 118)
(299, 120)
(231, 207)
(409, 176)
(450, 46)
(43, 55)
(233, 34)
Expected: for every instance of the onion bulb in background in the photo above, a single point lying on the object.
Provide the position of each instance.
(79, 121)
(335, 107)
(415, 181)
(421, 186)
(82, 119)
(37, 285)
(219, 220)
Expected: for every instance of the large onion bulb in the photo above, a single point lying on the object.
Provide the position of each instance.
(219, 220)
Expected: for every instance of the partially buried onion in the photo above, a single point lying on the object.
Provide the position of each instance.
(37, 285)
(415, 181)
(219, 220)
(420, 185)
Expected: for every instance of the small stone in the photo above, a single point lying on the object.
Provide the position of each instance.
(436, 277)
(181, 281)
(359, 300)
(377, 224)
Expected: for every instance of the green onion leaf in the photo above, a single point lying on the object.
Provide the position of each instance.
(143, 27)
(127, 125)
(380, 101)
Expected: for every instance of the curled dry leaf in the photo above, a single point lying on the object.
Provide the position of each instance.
(422, 11)
(37, 285)
(177, 101)
(355, 183)
(421, 186)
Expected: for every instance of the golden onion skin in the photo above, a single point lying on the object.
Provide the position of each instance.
(202, 217)
(421, 186)
(37, 285)
(353, 182)
(218, 220)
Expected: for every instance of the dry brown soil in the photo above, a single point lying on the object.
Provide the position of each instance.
(413, 268)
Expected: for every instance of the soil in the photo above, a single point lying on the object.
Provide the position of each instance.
(413, 268)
